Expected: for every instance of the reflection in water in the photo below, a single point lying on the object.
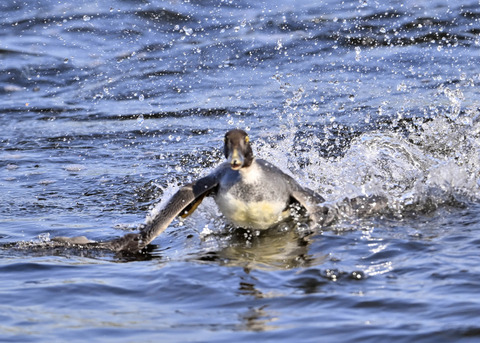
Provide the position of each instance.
(258, 317)
(247, 288)
(284, 246)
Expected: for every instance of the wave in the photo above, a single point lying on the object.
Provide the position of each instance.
(435, 162)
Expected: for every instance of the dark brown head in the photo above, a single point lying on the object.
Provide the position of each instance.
(237, 149)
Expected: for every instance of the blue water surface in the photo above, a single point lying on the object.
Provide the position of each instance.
(107, 107)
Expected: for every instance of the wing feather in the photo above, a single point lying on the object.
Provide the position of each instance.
(186, 199)
(183, 202)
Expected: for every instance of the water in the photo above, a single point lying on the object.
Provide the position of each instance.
(106, 108)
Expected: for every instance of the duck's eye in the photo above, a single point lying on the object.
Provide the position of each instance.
(247, 139)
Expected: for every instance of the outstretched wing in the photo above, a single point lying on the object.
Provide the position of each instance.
(183, 202)
(312, 202)
(361, 206)
(307, 198)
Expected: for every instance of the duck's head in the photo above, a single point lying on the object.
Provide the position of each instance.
(237, 149)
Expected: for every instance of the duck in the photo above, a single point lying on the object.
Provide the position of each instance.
(250, 192)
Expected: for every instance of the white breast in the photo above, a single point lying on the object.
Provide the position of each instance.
(256, 214)
(244, 201)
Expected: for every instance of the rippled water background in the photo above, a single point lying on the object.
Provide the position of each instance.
(105, 106)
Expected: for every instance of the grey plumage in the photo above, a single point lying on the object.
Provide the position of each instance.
(249, 192)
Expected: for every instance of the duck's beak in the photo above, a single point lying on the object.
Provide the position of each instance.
(236, 159)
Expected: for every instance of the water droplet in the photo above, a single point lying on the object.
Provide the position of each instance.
(279, 45)
(188, 31)
(401, 87)
(357, 275)
(141, 97)
(358, 50)
(140, 119)
(86, 18)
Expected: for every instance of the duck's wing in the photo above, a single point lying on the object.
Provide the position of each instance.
(183, 203)
(318, 212)
(312, 202)
(307, 198)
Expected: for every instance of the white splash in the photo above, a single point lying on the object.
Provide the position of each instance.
(436, 162)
